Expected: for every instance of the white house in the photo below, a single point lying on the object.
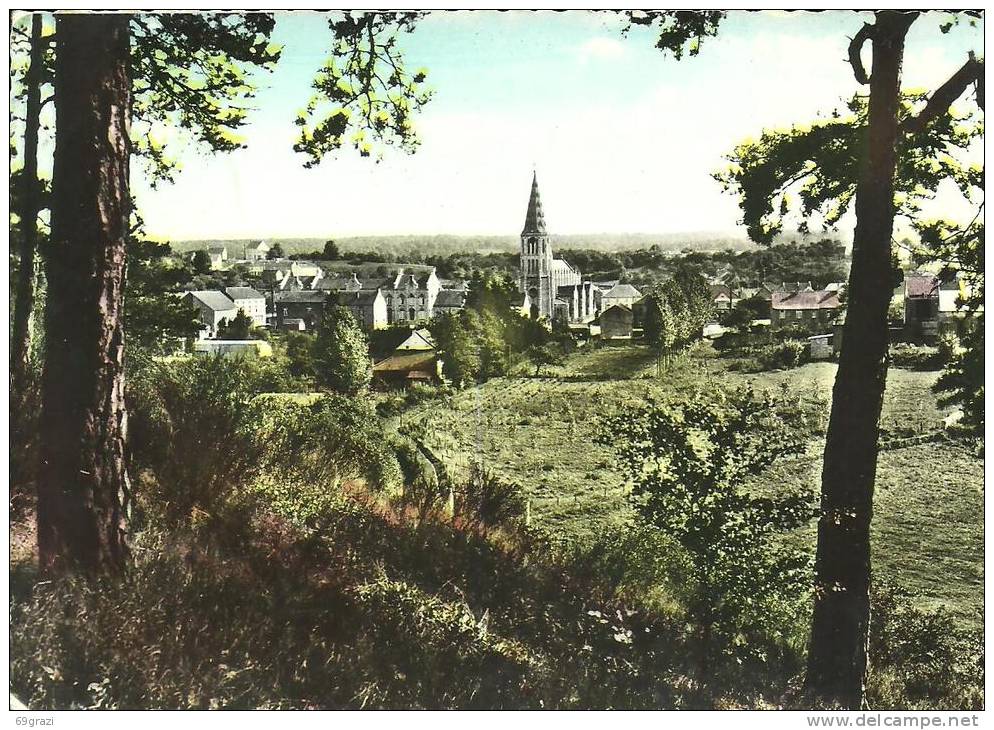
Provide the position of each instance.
(420, 340)
(257, 251)
(249, 301)
(624, 295)
(213, 307)
(218, 255)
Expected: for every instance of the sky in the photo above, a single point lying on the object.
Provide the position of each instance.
(623, 137)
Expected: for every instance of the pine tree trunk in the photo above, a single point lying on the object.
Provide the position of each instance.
(83, 483)
(839, 631)
(20, 344)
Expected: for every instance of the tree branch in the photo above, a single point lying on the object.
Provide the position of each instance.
(855, 48)
(969, 73)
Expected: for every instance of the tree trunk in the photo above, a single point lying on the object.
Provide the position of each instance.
(83, 483)
(30, 193)
(839, 630)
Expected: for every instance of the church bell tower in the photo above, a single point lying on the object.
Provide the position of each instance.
(536, 257)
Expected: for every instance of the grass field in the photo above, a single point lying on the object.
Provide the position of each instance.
(540, 432)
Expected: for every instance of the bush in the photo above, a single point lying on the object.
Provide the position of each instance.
(422, 487)
(206, 441)
(631, 562)
(191, 428)
(915, 357)
(488, 500)
(922, 659)
(787, 354)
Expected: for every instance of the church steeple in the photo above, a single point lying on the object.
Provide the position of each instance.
(534, 218)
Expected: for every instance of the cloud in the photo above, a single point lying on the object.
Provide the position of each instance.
(601, 48)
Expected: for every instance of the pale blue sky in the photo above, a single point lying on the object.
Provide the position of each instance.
(624, 137)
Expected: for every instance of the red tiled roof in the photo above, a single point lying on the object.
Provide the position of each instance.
(806, 300)
(921, 285)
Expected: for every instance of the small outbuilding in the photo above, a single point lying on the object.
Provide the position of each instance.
(403, 369)
(616, 323)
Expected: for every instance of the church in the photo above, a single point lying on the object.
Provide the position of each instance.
(554, 289)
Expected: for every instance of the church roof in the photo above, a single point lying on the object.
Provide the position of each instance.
(534, 218)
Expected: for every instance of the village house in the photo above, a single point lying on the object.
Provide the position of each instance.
(952, 293)
(722, 297)
(291, 308)
(450, 300)
(804, 308)
(256, 251)
(368, 307)
(616, 322)
(409, 290)
(218, 255)
(214, 307)
(250, 301)
(921, 306)
(404, 369)
(420, 340)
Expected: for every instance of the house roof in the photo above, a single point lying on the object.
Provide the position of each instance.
(620, 307)
(788, 286)
(419, 339)
(242, 292)
(406, 363)
(213, 300)
(216, 249)
(806, 300)
(257, 246)
(534, 216)
(299, 297)
(921, 286)
(362, 297)
(450, 298)
(619, 291)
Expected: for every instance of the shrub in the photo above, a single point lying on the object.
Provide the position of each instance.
(207, 441)
(633, 562)
(786, 354)
(422, 487)
(688, 464)
(921, 659)
(488, 500)
(915, 357)
(191, 428)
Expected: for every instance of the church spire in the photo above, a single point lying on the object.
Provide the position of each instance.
(534, 218)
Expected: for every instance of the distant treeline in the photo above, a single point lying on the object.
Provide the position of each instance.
(444, 245)
(806, 258)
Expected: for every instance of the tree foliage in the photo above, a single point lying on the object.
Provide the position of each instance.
(237, 329)
(679, 31)
(341, 353)
(155, 320)
(689, 464)
(364, 87)
(812, 170)
(193, 72)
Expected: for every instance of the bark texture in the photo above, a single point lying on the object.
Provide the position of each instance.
(837, 653)
(83, 483)
(30, 205)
